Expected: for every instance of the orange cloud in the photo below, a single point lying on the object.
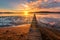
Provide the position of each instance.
(30, 6)
(6, 10)
(3, 10)
(57, 0)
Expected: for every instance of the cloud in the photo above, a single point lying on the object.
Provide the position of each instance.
(6, 10)
(36, 5)
(3, 10)
(57, 0)
(28, 5)
(51, 5)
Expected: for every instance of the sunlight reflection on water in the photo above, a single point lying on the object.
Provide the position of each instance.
(11, 20)
(53, 20)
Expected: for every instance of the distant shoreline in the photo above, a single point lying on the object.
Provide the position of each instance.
(29, 12)
(45, 12)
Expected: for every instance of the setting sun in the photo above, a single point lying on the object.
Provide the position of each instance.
(26, 13)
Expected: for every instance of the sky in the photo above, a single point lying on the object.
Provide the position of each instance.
(31, 5)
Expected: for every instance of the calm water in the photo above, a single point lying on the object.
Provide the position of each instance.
(47, 18)
(9, 21)
(53, 20)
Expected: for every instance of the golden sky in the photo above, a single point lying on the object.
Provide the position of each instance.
(29, 5)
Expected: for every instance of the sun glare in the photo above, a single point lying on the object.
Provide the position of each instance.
(26, 13)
